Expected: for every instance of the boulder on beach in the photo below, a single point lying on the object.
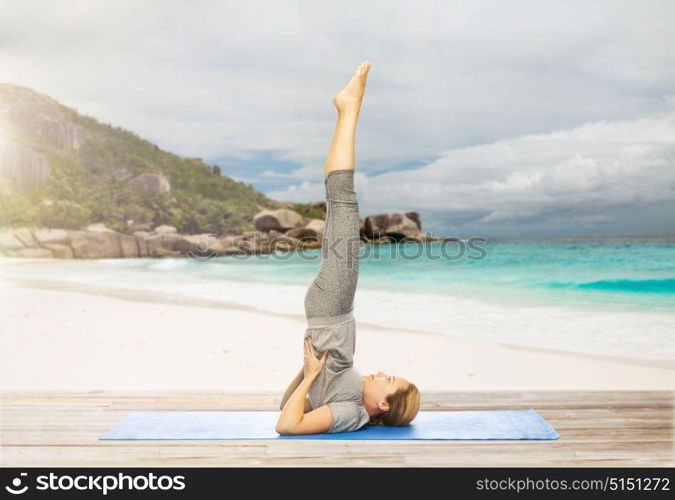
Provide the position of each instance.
(375, 225)
(60, 251)
(95, 244)
(208, 245)
(316, 225)
(232, 245)
(51, 236)
(280, 220)
(401, 227)
(128, 245)
(142, 247)
(34, 253)
(283, 242)
(310, 245)
(312, 231)
(415, 217)
(168, 245)
(25, 236)
(277, 230)
(256, 243)
(384, 228)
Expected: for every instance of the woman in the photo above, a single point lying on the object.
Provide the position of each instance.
(328, 395)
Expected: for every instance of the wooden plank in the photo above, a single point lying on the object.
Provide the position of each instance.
(597, 428)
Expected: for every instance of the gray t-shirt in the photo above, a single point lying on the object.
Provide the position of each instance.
(338, 385)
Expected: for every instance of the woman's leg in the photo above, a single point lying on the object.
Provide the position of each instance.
(333, 289)
(348, 104)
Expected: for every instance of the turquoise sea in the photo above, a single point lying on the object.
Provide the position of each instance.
(605, 294)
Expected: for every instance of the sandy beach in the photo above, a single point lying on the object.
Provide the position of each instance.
(57, 340)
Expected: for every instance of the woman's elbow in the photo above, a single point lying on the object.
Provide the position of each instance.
(283, 430)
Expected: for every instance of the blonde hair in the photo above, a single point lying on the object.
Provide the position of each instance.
(403, 407)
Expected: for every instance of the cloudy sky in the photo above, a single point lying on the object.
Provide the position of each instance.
(487, 116)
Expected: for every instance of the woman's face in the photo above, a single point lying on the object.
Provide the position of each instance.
(378, 386)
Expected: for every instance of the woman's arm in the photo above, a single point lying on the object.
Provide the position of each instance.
(293, 419)
(291, 387)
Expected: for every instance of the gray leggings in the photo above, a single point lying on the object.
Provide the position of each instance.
(332, 291)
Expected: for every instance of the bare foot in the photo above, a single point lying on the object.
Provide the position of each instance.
(349, 99)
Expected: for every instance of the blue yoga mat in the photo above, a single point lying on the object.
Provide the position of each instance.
(244, 425)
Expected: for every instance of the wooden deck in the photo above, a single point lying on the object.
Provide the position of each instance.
(631, 428)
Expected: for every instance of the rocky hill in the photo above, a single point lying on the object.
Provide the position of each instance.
(59, 168)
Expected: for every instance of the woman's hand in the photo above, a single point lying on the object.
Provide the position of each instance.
(313, 364)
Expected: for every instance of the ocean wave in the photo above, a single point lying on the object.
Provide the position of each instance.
(660, 286)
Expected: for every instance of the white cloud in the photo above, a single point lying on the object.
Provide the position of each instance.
(231, 79)
(212, 79)
(578, 173)
(305, 191)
